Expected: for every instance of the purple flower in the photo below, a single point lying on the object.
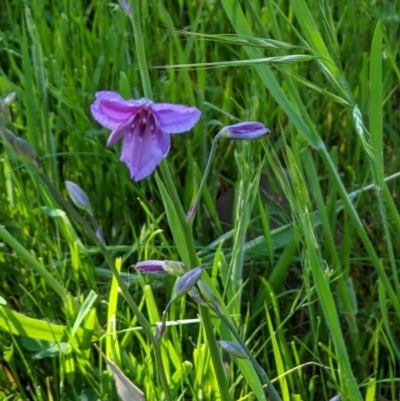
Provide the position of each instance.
(246, 130)
(151, 267)
(144, 126)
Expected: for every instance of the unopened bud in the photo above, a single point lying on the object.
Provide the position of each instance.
(188, 280)
(246, 130)
(206, 291)
(195, 295)
(233, 349)
(24, 149)
(20, 147)
(78, 195)
(151, 267)
(8, 137)
(174, 268)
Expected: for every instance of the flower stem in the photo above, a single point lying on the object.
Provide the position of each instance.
(270, 389)
(193, 208)
(186, 228)
(185, 225)
(140, 50)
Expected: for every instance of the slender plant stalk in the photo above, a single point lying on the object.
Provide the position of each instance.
(185, 225)
(270, 389)
(194, 206)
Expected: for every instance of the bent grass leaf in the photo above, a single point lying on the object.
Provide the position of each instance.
(126, 390)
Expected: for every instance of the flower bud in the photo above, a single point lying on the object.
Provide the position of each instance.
(206, 291)
(24, 149)
(19, 146)
(78, 195)
(195, 295)
(233, 349)
(174, 268)
(151, 267)
(188, 280)
(246, 130)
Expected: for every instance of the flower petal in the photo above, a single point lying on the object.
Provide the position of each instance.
(175, 118)
(142, 151)
(111, 110)
(119, 132)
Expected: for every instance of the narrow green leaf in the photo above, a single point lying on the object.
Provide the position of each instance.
(112, 344)
(84, 310)
(375, 104)
(173, 222)
(21, 325)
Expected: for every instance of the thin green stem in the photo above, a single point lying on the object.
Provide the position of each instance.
(185, 225)
(215, 354)
(194, 206)
(270, 389)
(140, 50)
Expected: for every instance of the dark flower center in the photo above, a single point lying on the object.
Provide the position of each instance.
(143, 122)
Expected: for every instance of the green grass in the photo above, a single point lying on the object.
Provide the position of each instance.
(308, 267)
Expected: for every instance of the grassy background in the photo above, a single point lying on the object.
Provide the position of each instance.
(312, 289)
